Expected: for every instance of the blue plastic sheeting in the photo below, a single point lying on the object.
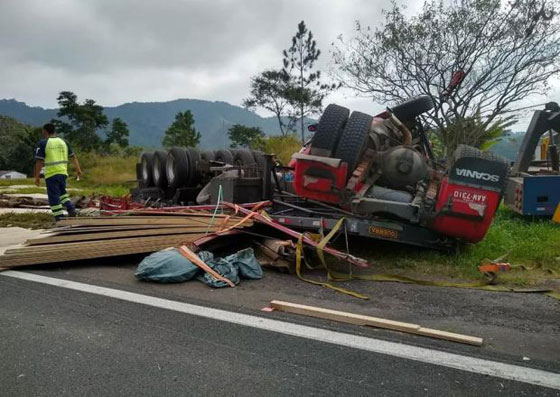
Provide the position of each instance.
(169, 266)
(243, 263)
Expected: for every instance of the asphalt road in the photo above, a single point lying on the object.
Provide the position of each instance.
(55, 341)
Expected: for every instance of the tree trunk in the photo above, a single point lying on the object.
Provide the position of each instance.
(301, 93)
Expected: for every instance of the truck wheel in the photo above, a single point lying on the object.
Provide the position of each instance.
(243, 158)
(224, 156)
(353, 140)
(194, 174)
(208, 155)
(329, 130)
(409, 110)
(146, 169)
(259, 159)
(159, 161)
(177, 167)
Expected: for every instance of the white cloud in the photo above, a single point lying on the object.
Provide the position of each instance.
(118, 51)
(144, 50)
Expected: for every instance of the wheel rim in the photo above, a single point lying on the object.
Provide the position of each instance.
(144, 169)
(156, 169)
(170, 169)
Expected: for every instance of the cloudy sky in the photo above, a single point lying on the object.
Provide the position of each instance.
(117, 51)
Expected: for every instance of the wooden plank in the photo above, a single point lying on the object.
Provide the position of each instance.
(359, 319)
(35, 253)
(107, 228)
(137, 221)
(85, 254)
(70, 221)
(167, 213)
(81, 255)
(434, 333)
(117, 235)
(191, 256)
(61, 247)
(69, 230)
(344, 317)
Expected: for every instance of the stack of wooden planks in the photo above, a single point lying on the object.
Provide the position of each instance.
(98, 237)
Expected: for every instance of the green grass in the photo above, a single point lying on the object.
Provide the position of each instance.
(532, 243)
(13, 182)
(106, 175)
(24, 190)
(27, 220)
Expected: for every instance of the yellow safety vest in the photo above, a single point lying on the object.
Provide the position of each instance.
(56, 157)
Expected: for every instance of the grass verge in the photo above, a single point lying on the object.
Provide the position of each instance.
(532, 244)
(106, 175)
(27, 220)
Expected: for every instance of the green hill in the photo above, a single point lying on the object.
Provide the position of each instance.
(508, 145)
(148, 121)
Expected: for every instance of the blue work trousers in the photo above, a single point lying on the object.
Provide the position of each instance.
(56, 190)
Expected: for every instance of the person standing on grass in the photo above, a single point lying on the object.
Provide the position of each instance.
(52, 153)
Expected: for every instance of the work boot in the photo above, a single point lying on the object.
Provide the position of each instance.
(70, 209)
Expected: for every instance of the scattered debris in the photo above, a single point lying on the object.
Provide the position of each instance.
(281, 254)
(39, 201)
(178, 265)
(98, 237)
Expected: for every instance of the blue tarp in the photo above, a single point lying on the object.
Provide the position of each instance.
(169, 266)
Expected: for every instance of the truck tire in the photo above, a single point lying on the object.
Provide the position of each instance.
(207, 155)
(224, 156)
(177, 167)
(260, 160)
(194, 172)
(409, 110)
(146, 169)
(353, 140)
(329, 130)
(243, 158)
(159, 172)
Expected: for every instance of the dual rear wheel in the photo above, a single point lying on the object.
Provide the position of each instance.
(344, 136)
(178, 167)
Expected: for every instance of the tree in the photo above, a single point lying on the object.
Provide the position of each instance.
(182, 131)
(268, 91)
(118, 133)
(247, 137)
(283, 147)
(473, 131)
(306, 92)
(85, 120)
(505, 52)
(19, 141)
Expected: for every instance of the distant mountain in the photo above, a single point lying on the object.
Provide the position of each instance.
(508, 145)
(148, 121)
(20, 111)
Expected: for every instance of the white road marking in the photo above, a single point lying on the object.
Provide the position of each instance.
(430, 356)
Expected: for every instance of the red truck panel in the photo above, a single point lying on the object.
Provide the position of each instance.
(319, 181)
(464, 212)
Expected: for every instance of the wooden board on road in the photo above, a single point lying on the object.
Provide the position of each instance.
(358, 319)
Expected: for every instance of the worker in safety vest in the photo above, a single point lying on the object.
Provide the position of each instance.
(52, 154)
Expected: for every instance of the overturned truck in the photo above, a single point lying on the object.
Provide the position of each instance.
(378, 172)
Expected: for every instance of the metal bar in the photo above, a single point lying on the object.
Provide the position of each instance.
(336, 253)
(323, 205)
